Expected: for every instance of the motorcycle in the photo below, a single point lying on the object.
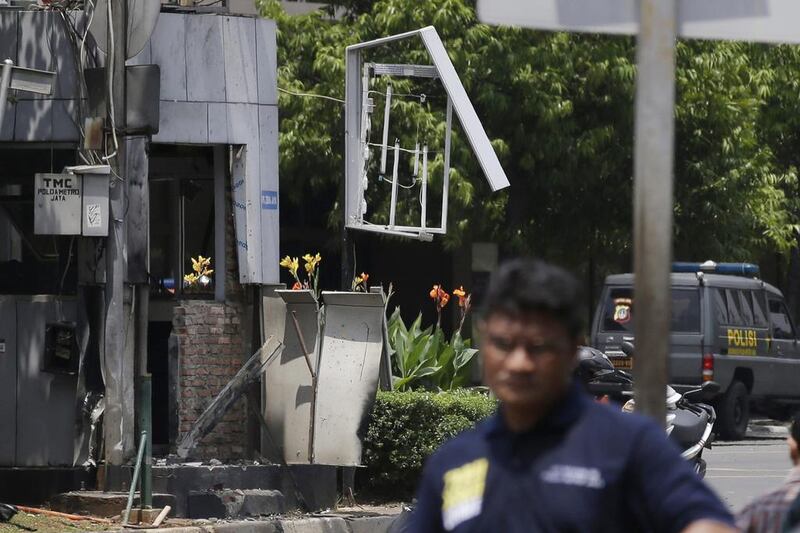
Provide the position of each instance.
(689, 421)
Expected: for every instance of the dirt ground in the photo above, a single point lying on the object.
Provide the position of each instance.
(23, 522)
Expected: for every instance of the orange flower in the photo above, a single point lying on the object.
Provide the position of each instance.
(444, 299)
(463, 298)
(297, 286)
(364, 277)
(434, 294)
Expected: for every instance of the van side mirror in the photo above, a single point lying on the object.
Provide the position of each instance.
(627, 348)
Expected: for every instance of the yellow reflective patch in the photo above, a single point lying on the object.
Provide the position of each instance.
(465, 483)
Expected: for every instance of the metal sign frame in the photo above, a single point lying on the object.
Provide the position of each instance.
(354, 128)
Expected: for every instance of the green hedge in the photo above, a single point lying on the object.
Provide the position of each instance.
(406, 427)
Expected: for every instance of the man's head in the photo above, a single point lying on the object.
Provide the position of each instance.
(794, 440)
(530, 332)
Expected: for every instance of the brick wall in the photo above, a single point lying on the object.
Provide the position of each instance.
(211, 348)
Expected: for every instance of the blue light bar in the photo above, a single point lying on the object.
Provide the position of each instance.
(731, 269)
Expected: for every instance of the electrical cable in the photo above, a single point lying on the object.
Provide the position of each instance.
(111, 84)
(311, 95)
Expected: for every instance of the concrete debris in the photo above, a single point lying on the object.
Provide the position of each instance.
(228, 503)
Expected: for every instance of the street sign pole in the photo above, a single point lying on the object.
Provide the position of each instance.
(652, 210)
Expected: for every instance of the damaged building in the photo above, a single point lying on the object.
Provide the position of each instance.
(101, 335)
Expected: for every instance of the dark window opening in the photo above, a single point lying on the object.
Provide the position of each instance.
(779, 318)
(181, 220)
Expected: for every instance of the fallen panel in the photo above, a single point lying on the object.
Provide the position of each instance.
(348, 375)
(288, 383)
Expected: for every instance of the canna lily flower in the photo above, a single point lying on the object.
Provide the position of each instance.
(462, 296)
(292, 264)
(311, 262)
(297, 286)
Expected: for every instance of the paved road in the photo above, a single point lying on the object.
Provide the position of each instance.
(742, 470)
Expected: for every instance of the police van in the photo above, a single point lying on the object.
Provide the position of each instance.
(727, 326)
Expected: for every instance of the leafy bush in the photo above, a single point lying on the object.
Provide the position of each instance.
(406, 427)
(424, 358)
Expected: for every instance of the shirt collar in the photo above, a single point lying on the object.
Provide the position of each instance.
(562, 415)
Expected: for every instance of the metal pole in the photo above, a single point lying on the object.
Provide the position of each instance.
(5, 81)
(144, 411)
(653, 204)
(135, 480)
(119, 415)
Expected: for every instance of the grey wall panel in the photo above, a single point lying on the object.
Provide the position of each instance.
(272, 317)
(168, 49)
(270, 208)
(288, 383)
(65, 64)
(35, 49)
(7, 127)
(242, 123)
(205, 61)
(8, 35)
(46, 401)
(267, 64)
(241, 83)
(182, 122)
(34, 120)
(218, 124)
(8, 381)
(349, 363)
(142, 58)
(65, 121)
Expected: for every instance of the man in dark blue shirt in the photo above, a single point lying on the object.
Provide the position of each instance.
(551, 459)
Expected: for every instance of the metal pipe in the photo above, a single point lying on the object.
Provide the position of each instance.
(424, 195)
(393, 204)
(144, 415)
(5, 81)
(653, 204)
(416, 160)
(386, 112)
(303, 344)
(132, 491)
(446, 178)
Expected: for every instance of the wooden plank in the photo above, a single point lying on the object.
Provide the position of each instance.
(235, 389)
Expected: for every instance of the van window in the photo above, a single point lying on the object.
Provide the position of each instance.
(618, 313)
(759, 317)
(720, 307)
(745, 307)
(734, 316)
(779, 318)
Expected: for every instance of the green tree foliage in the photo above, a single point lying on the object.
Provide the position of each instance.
(559, 110)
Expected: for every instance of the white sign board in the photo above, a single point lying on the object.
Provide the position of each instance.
(57, 204)
(769, 21)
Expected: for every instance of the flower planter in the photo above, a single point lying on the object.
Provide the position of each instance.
(344, 339)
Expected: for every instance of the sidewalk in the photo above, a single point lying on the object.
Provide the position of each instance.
(355, 520)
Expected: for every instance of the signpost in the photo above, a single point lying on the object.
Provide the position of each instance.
(23, 79)
(657, 23)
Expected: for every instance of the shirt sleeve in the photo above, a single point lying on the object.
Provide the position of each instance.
(668, 492)
(427, 514)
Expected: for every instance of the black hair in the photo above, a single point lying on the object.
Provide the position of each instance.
(794, 429)
(522, 286)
